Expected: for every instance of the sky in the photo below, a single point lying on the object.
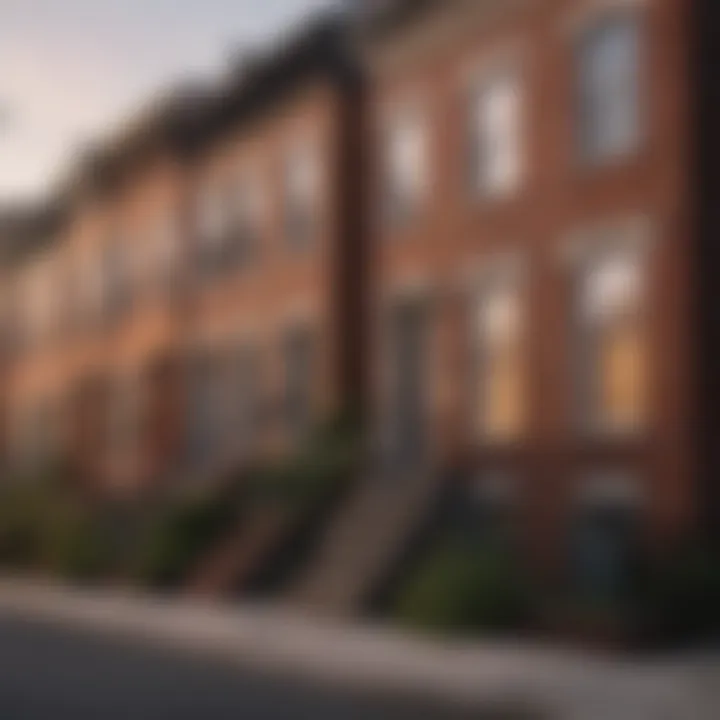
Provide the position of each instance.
(71, 70)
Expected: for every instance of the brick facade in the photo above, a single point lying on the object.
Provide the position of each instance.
(347, 282)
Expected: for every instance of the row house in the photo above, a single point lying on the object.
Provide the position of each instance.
(197, 304)
(539, 235)
(277, 253)
(92, 316)
(27, 236)
(505, 221)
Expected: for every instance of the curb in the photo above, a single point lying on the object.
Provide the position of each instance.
(503, 680)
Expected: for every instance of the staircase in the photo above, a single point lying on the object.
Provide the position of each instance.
(239, 556)
(364, 541)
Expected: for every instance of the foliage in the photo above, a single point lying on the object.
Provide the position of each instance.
(311, 475)
(681, 595)
(44, 528)
(464, 583)
(47, 526)
(182, 533)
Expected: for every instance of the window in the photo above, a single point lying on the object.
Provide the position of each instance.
(211, 395)
(33, 438)
(40, 301)
(212, 220)
(161, 255)
(300, 197)
(246, 219)
(246, 409)
(409, 373)
(116, 278)
(124, 422)
(500, 388)
(406, 168)
(610, 341)
(495, 152)
(608, 88)
(299, 353)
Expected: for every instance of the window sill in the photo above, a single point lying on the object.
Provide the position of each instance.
(593, 165)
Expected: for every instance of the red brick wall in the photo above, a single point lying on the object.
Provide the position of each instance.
(556, 199)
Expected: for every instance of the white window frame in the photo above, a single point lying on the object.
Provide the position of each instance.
(582, 24)
(508, 268)
(413, 197)
(633, 237)
(485, 176)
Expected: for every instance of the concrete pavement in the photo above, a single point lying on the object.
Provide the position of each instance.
(548, 682)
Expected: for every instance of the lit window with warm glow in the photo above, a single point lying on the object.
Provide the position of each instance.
(499, 371)
(610, 348)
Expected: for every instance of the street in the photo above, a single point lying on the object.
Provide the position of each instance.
(58, 674)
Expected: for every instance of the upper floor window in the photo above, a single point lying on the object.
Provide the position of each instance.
(495, 135)
(212, 225)
(40, 303)
(299, 354)
(247, 397)
(161, 256)
(116, 277)
(608, 92)
(405, 168)
(609, 343)
(500, 397)
(300, 188)
(246, 218)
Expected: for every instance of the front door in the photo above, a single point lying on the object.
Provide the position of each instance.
(409, 383)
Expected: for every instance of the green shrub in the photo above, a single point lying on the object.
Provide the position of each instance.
(46, 528)
(176, 541)
(464, 584)
(681, 597)
(311, 475)
(74, 545)
(19, 530)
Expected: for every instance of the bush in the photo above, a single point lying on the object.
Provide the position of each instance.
(74, 545)
(682, 594)
(464, 584)
(19, 529)
(178, 539)
(45, 528)
(309, 477)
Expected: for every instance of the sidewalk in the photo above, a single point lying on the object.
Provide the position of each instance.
(544, 682)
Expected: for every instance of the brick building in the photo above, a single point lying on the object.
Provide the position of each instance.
(538, 235)
(188, 306)
(276, 251)
(507, 218)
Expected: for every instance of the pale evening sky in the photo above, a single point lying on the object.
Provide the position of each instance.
(70, 70)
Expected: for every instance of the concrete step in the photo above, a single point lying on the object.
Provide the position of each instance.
(366, 538)
(231, 564)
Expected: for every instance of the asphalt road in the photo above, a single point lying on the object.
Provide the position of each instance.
(58, 674)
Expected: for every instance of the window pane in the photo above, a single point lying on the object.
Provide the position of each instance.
(301, 183)
(608, 92)
(610, 350)
(495, 144)
(501, 399)
(406, 168)
(299, 382)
